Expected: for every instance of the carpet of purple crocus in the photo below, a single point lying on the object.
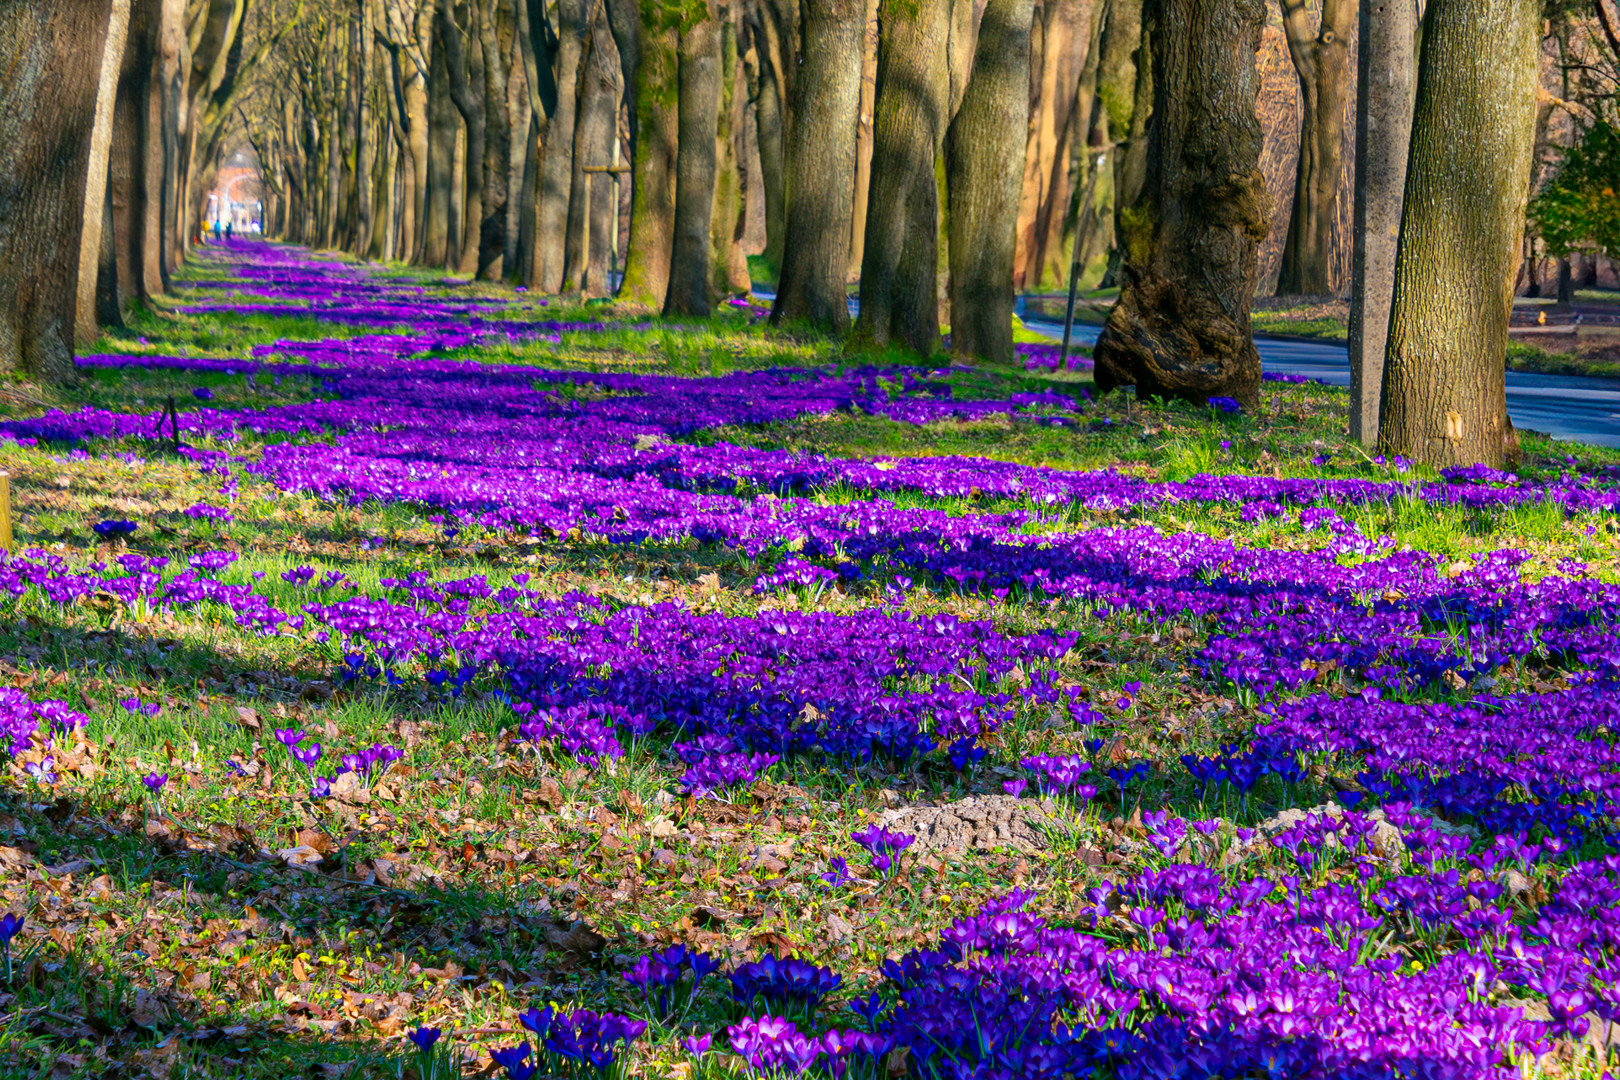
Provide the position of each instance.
(1396, 857)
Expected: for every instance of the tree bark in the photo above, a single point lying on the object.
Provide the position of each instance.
(588, 249)
(986, 134)
(442, 124)
(464, 65)
(652, 206)
(821, 166)
(771, 136)
(899, 266)
(690, 265)
(726, 255)
(557, 172)
(365, 131)
(1322, 60)
(50, 63)
(93, 212)
(1467, 178)
(1189, 244)
(1386, 69)
(492, 35)
(127, 188)
(863, 142)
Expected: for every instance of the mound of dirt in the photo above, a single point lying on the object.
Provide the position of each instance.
(979, 822)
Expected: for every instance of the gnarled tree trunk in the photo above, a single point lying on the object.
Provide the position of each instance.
(983, 139)
(1189, 244)
(1467, 181)
(821, 165)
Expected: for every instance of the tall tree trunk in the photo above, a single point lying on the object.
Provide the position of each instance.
(1467, 179)
(1387, 65)
(493, 34)
(899, 267)
(127, 188)
(690, 265)
(365, 134)
(590, 242)
(1322, 59)
(93, 212)
(557, 173)
(1181, 325)
(173, 57)
(465, 67)
(863, 142)
(986, 134)
(821, 165)
(442, 125)
(50, 64)
(652, 207)
(771, 132)
(726, 256)
(1124, 53)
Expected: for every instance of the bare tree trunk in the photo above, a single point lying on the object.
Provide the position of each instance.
(1181, 326)
(771, 136)
(726, 255)
(50, 63)
(557, 173)
(655, 132)
(365, 134)
(690, 266)
(863, 142)
(1444, 397)
(899, 267)
(987, 134)
(589, 243)
(1387, 67)
(1322, 59)
(442, 124)
(93, 212)
(492, 32)
(127, 187)
(465, 68)
(821, 165)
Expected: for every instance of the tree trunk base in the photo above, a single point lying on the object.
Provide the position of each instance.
(1170, 344)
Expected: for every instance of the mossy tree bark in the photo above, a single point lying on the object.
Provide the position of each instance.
(50, 62)
(899, 264)
(691, 267)
(986, 135)
(495, 29)
(727, 258)
(820, 166)
(1467, 180)
(652, 199)
(1321, 58)
(1189, 244)
(127, 186)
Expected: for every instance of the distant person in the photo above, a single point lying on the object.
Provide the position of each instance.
(228, 230)
(216, 232)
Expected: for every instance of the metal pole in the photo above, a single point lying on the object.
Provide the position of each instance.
(1083, 212)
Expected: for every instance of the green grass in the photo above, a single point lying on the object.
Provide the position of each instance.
(455, 893)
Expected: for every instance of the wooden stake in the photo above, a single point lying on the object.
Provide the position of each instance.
(5, 512)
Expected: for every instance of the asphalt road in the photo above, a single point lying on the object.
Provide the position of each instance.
(1570, 407)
